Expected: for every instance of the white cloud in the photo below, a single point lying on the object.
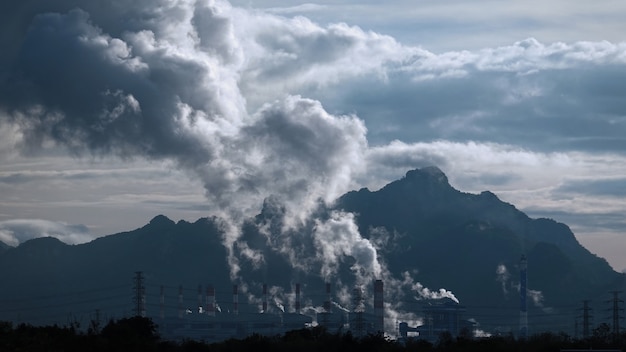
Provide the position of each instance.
(14, 232)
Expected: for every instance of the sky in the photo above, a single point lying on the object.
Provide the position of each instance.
(112, 112)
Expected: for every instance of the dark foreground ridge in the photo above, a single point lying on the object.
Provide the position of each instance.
(140, 334)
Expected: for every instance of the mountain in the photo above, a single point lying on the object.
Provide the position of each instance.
(467, 244)
(4, 247)
(471, 245)
(451, 235)
(47, 281)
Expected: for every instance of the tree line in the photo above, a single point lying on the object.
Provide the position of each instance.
(141, 334)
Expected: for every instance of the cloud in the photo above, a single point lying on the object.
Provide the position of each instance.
(439, 27)
(614, 187)
(302, 8)
(519, 94)
(338, 237)
(14, 232)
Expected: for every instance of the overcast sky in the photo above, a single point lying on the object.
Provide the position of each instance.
(113, 112)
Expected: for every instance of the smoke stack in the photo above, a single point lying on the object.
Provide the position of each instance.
(379, 306)
(523, 309)
(235, 299)
(199, 298)
(210, 300)
(264, 298)
(180, 302)
(328, 302)
(162, 303)
(297, 298)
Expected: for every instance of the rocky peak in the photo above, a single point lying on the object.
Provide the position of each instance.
(429, 174)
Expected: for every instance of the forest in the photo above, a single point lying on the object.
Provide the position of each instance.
(140, 334)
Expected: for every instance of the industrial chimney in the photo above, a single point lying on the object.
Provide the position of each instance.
(235, 299)
(264, 298)
(523, 308)
(328, 302)
(180, 302)
(297, 298)
(210, 300)
(162, 303)
(379, 306)
(200, 310)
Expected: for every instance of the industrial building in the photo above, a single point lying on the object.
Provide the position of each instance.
(440, 316)
(209, 323)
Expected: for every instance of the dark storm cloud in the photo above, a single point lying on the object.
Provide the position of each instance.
(71, 83)
(166, 87)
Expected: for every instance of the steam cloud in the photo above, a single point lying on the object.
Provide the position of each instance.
(180, 81)
(503, 276)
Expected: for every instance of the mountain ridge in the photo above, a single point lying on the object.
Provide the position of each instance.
(468, 243)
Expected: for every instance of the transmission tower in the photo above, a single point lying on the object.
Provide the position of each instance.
(616, 309)
(140, 294)
(586, 318)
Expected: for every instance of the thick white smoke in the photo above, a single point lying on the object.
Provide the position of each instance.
(424, 292)
(168, 87)
(503, 276)
(338, 237)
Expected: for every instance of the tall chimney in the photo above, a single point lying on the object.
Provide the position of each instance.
(379, 306)
(235, 299)
(162, 303)
(264, 298)
(200, 299)
(328, 302)
(180, 302)
(210, 300)
(523, 308)
(297, 298)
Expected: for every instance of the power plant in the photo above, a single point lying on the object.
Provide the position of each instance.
(210, 321)
(217, 320)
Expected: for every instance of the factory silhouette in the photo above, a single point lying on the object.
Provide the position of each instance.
(213, 319)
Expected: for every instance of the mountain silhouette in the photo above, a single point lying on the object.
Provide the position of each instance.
(467, 243)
